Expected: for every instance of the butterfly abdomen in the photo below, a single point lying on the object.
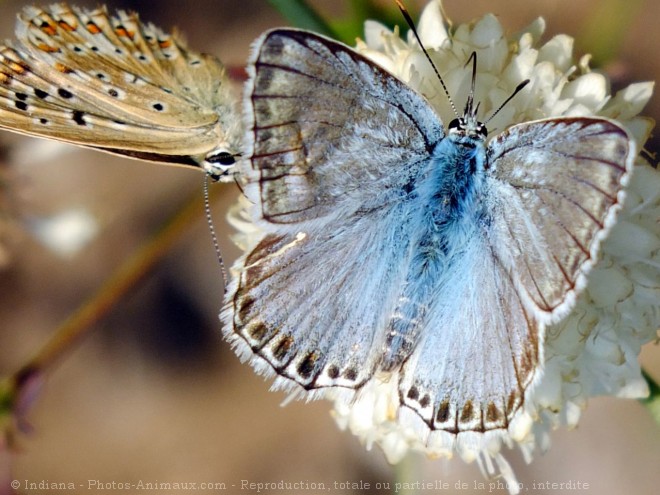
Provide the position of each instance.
(450, 204)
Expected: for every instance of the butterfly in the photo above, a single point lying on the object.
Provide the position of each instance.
(395, 245)
(117, 85)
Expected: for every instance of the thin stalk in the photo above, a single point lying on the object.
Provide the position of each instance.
(80, 323)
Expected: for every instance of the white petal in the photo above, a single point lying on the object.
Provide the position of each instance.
(374, 33)
(532, 33)
(431, 26)
(646, 242)
(559, 51)
(629, 101)
(609, 286)
(588, 90)
(487, 31)
(521, 66)
(634, 389)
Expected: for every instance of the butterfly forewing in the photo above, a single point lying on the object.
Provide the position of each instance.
(115, 84)
(332, 135)
(554, 190)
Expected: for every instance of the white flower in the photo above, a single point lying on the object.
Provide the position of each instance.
(594, 350)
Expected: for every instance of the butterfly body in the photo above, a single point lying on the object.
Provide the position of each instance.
(451, 212)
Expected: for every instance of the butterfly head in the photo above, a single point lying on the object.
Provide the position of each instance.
(469, 126)
(219, 165)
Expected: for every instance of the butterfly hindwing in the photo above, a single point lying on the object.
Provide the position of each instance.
(478, 350)
(311, 307)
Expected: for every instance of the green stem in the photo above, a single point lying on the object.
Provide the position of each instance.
(652, 402)
(301, 15)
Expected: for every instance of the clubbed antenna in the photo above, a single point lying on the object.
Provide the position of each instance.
(515, 92)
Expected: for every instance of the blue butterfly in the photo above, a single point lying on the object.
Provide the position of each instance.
(394, 245)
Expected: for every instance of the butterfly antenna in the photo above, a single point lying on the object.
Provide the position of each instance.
(470, 99)
(411, 24)
(238, 184)
(214, 237)
(515, 92)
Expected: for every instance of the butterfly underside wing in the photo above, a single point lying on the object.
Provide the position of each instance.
(391, 246)
(118, 85)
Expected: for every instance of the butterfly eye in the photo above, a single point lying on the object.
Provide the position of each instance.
(222, 158)
(482, 131)
(454, 125)
(219, 165)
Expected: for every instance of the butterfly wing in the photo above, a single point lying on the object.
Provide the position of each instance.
(552, 190)
(331, 135)
(115, 84)
(335, 143)
(556, 186)
(478, 351)
(313, 308)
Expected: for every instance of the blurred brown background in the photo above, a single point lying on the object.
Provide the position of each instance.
(154, 394)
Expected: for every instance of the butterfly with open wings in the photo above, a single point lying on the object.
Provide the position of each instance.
(394, 244)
